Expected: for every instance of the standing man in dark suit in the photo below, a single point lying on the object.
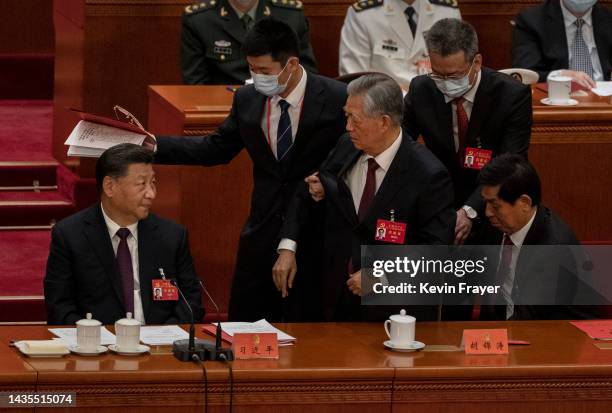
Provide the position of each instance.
(288, 121)
(213, 33)
(376, 172)
(103, 259)
(466, 113)
(529, 275)
(569, 36)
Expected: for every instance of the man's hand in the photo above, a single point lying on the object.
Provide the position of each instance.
(149, 142)
(283, 272)
(354, 283)
(315, 187)
(463, 226)
(581, 78)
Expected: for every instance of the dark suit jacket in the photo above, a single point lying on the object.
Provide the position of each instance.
(321, 124)
(416, 186)
(83, 277)
(548, 273)
(539, 41)
(501, 117)
(212, 38)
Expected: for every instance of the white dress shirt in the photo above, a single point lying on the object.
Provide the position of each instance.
(132, 242)
(295, 100)
(355, 177)
(517, 239)
(587, 34)
(468, 104)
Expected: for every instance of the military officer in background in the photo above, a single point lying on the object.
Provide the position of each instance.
(213, 32)
(387, 36)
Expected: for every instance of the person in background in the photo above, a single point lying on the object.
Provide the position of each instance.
(466, 114)
(387, 36)
(568, 37)
(213, 33)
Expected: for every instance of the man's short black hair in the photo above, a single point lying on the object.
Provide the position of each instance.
(515, 176)
(115, 161)
(271, 37)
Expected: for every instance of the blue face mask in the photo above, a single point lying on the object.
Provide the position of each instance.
(579, 6)
(268, 84)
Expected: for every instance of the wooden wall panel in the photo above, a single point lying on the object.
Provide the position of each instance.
(27, 26)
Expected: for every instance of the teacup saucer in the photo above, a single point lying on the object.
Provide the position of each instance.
(412, 346)
(74, 348)
(567, 102)
(135, 352)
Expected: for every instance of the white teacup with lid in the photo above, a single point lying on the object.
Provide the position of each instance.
(559, 88)
(127, 331)
(400, 329)
(88, 334)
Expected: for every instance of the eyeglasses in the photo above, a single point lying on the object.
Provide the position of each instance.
(126, 115)
(435, 76)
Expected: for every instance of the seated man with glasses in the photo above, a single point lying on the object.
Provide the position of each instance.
(466, 113)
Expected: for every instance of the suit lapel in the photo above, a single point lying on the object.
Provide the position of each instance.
(480, 109)
(398, 22)
(444, 122)
(603, 45)
(314, 102)
(426, 20)
(345, 198)
(96, 232)
(557, 38)
(147, 253)
(255, 111)
(232, 25)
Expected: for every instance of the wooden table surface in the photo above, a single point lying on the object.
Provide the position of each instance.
(338, 367)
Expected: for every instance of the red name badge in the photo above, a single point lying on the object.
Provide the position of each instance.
(476, 158)
(492, 341)
(255, 346)
(163, 290)
(390, 231)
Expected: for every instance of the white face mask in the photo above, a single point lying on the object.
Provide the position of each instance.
(268, 84)
(579, 6)
(453, 88)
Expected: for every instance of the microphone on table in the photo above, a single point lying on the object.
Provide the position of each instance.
(220, 354)
(186, 350)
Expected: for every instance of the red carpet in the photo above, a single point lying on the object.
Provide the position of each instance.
(23, 255)
(26, 130)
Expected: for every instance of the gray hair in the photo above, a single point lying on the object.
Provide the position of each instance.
(382, 96)
(449, 36)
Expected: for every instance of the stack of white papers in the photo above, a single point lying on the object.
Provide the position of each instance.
(261, 326)
(69, 335)
(90, 139)
(603, 89)
(162, 335)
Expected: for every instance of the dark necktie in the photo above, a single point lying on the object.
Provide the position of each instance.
(581, 58)
(283, 133)
(247, 21)
(462, 124)
(409, 16)
(369, 190)
(124, 262)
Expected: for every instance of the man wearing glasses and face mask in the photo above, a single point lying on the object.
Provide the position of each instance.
(288, 121)
(466, 114)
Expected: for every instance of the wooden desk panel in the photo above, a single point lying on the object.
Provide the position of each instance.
(344, 367)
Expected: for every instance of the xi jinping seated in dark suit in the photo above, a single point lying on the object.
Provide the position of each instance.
(104, 259)
(376, 172)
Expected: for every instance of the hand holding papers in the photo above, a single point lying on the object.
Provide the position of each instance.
(94, 134)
